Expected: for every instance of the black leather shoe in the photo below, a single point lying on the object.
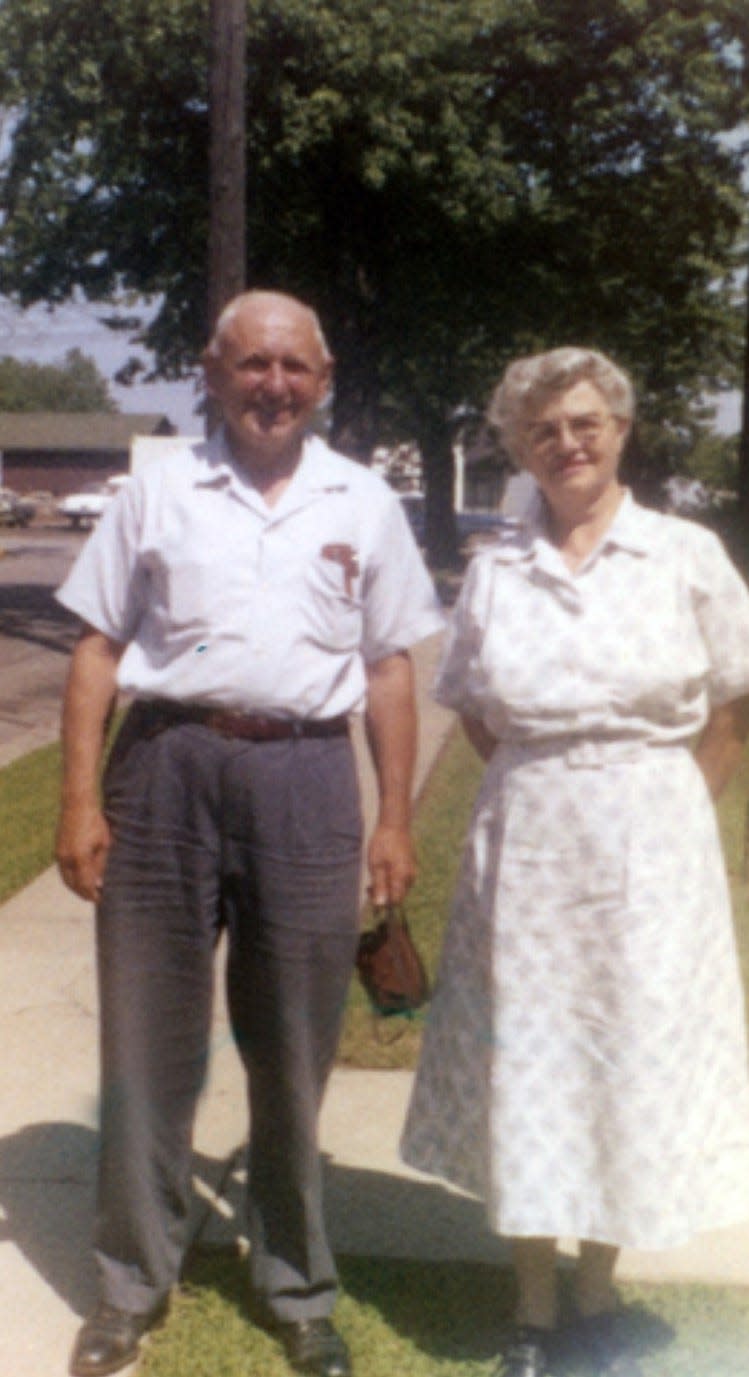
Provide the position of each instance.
(109, 1340)
(314, 1346)
(601, 1339)
(526, 1354)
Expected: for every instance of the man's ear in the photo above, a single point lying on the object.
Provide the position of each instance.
(326, 385)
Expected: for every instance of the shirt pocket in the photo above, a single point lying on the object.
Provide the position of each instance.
(332, 593)
(194, 589)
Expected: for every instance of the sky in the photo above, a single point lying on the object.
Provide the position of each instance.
(45, 337)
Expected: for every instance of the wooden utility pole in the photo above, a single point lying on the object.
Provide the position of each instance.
(744, 435)
(227, 237)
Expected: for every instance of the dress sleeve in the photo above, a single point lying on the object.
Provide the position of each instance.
(457, 681)
(721, 603)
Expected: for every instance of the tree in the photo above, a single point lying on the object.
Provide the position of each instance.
(74, 385)
(743, 445)
(450, 184)
(714, 461)
(227, 240)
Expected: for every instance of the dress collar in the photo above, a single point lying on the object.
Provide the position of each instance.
(631, 528)
(526, 537)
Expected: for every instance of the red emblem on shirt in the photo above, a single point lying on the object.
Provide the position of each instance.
(345, 555)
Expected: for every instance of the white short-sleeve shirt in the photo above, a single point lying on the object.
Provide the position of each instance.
(222, 600)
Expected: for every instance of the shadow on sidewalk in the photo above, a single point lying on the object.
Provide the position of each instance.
(47, 1195)
(29, 612)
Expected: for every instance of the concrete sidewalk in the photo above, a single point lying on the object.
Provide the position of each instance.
(48, 1133)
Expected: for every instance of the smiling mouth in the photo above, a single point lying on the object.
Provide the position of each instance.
(269, 419)
(571, 465)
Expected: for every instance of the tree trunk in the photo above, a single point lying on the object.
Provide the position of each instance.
(355, 424)
(227, 244)
(441, 536)
(743, 483)
(354, 428)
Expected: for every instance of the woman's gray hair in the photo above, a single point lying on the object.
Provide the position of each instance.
(529, 382)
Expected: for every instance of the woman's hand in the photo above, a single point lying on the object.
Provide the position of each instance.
(721, 745)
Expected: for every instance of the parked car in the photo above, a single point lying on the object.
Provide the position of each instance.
(14, 509)
(476, 526)
(479, 526)
(83, 508)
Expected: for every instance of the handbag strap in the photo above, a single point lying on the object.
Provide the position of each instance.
(394, 915)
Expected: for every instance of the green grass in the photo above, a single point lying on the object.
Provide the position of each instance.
(29, 802)
(29, 795)
(442, 818)
(733, 814)
(437, 1320)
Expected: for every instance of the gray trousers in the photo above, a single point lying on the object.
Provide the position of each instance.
(263, 840)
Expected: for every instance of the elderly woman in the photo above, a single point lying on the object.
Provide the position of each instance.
(584, 1067)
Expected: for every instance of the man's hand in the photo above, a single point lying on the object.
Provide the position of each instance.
(83, 836)
(392, 865)
(82, 847)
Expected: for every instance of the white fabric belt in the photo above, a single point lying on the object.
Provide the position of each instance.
(583, 753)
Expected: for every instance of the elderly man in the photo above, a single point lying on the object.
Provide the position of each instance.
(251, 592)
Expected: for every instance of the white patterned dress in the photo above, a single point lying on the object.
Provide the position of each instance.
(584, 1067)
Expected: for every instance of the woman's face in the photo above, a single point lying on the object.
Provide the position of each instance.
(572, 446)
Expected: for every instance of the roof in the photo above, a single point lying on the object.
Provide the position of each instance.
(77, 430)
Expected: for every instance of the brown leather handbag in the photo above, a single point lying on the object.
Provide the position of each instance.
(389, 965)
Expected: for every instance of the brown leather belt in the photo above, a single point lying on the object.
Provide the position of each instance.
(251, 728)
(162, 714)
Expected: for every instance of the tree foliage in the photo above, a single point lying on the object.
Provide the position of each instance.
(74, 385)
(714, 460)
(450, 184)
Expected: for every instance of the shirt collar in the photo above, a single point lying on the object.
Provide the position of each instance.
(526, 535)
(219, 468)
(318, 471)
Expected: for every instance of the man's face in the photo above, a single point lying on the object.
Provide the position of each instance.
(269, 378)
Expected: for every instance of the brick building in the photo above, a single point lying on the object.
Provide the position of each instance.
(57, 452)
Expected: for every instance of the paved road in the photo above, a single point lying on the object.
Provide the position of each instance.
(35, 635)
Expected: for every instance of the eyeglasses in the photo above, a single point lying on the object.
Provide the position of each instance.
(585, 430)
